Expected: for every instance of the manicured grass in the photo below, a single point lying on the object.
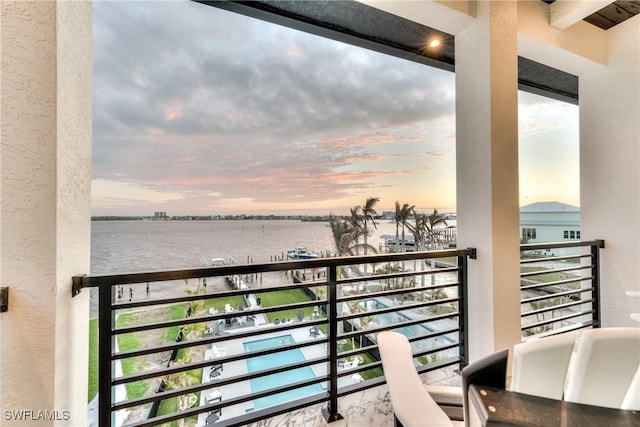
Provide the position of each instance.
(176, 312)
(366, 358)
(371, 373)
(285, 297)
(543, 277)
(128, 342)
(93, 359)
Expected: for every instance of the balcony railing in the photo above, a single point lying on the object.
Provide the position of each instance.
(560, 287)
(236, 344)
(270, 338)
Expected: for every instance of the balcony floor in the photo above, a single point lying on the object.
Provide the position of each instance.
(369, 408)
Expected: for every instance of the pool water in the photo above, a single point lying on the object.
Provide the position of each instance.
(280, 379)
(389, 319)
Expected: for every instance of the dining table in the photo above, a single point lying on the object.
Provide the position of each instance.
(492, 407)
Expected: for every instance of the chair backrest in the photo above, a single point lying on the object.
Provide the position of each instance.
(632, 398)
(540, 365)
(490, 371)
(602, 366)
(412, 404)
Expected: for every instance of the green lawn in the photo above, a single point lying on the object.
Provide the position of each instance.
(542, 277)
(93, 359)
(285, 297)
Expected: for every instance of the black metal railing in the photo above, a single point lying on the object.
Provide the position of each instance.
(560, 287)
(235, 344)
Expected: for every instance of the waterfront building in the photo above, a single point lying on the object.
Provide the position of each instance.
(549, 222)
(160, 215)
(45, 156)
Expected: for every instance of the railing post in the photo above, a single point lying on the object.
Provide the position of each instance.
(331, 412)
(595, 272)
(463, 308)
(105, 345)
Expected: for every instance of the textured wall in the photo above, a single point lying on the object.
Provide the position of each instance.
(487, 173)
(610, 168)
(44, 196)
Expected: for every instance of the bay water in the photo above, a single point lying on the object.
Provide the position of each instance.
(147, 245)
(130, 246)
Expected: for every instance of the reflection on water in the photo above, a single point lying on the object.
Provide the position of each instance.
(125, 246)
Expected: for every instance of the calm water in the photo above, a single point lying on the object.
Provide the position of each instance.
(127, 246)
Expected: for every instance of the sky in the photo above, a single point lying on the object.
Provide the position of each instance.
(200, 111)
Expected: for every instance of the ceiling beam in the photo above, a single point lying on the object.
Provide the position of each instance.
(565, 13)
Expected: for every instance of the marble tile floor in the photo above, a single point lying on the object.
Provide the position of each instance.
(369, 408)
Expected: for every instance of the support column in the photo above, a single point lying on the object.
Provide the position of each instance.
(45, 180)
(609, 168)
(487, 173)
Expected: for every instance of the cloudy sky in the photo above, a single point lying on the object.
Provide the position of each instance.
(202, 111)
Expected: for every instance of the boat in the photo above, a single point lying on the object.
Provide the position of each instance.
(217, 261)
(300, 252)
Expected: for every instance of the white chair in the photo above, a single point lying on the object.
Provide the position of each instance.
(353, 364)
(412, 404)
(604, 367)
(540, 365)
(218, 352)
(632, 398)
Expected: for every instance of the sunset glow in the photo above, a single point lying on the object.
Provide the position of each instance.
(248, 117)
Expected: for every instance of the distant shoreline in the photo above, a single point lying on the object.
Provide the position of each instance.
(303, 218)
(242, 217)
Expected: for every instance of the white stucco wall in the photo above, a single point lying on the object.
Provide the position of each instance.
(487, 173)
(45, 172)
(610, 165)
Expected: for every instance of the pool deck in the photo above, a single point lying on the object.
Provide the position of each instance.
(231, 369)
(366, 408)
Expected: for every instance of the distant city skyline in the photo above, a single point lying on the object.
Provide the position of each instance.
(199, 111)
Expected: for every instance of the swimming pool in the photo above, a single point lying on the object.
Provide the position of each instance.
(410, 331)
(280, 379)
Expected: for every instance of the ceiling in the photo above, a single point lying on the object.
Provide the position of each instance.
(612, 14)
(361, 25)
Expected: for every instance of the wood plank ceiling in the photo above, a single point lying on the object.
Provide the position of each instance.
(612, 14)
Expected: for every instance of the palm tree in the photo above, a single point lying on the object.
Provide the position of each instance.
(419, 229)
(346, 233)
(356, 223)
(402, 219)
(368, 213)
(433, 221)
(343, 234)
(398, 220)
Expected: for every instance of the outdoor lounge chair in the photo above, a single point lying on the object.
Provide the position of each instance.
(605, 359)
(540, 365)
(219, 352)
(412, 404)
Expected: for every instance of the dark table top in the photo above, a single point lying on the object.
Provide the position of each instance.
(496, 407)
